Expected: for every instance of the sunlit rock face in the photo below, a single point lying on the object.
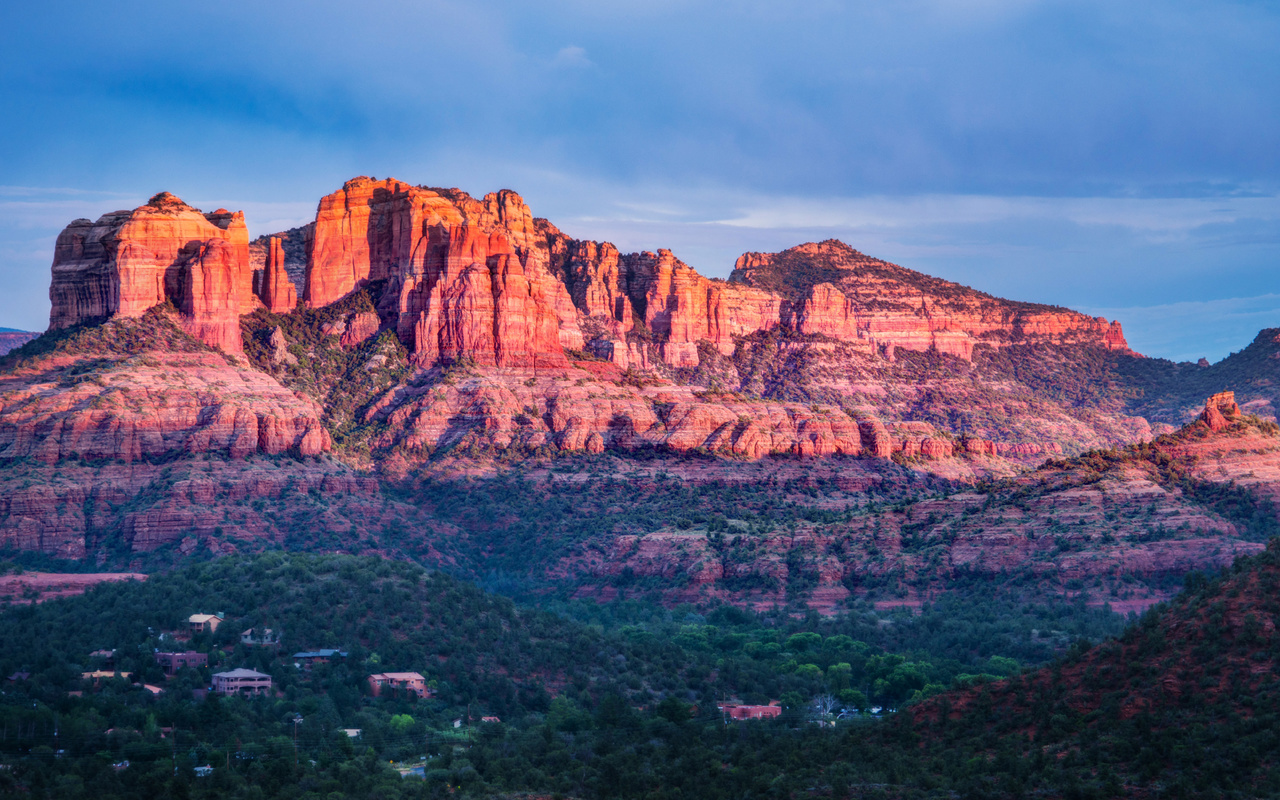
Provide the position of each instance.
(165, 251)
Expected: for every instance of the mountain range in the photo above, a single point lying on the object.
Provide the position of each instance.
(333, 386)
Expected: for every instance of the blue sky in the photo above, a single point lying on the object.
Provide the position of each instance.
(1119, 158)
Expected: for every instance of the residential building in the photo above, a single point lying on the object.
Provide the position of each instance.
(396, 682)
(105, 657)
(307, 659)
(172, 662)
(261, 637)
(242, 681)
(205, 623)
(100, 675)
(737, 711)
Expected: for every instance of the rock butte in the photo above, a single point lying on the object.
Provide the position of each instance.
(484, 280)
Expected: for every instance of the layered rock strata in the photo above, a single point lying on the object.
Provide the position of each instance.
(165, 251)
(1098, 520)
(843, 294)
(464, 279)
(275, 289)
(1219, 410)
(152, 406)
(482, 280)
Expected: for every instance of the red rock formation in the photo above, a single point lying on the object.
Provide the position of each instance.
(682, 307)
(220, 505)
(846, 295)
(598, 284)
(11, 340)
(360, 328)
(1219, 410)
(469, 279)
(148, 407)
(129, 261)
(210, 302)
(875, 438)
(277, 292)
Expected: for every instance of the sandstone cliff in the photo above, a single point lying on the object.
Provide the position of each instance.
(165, 251)
(139, 390)
(485, 280)
(463, 279)
(1098, 520)
(843, 294)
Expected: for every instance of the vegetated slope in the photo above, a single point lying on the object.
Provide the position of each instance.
(1120, 525)
(1186, 702)
(390, 615)
(1168, 392)
(1161, 391)
(571, 696)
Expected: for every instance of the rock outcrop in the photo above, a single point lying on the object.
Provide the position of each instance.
(486, 281)
(275, 288)
(1219, 410)
(842, 294)
(165, 251)
(464, 279)
(682, 308)
(1096, 520)
(151, 407)
(12, 340)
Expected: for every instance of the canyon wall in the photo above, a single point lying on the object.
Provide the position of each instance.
(843, 294)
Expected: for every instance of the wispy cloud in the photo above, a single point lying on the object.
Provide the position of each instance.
(572, 57)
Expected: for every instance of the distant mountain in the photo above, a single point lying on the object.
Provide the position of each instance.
(324, 388)
(12, 338)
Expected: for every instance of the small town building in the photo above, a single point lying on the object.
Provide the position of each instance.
(205, 623)
(260, 637)
(739, 712)
(490, 719)
(152, 689)
(172, 662)
(105, 657)
(394, 683)
(309, 658)
(100, 675)
(18, 677)
(242, 681)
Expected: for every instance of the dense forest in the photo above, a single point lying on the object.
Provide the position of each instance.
(591, 700)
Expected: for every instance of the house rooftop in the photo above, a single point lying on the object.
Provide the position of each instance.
(241, 673)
